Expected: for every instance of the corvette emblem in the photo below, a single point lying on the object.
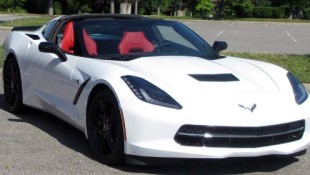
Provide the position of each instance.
(248, 108)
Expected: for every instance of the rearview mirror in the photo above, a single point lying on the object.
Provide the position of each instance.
(219, 46)
(49, 47)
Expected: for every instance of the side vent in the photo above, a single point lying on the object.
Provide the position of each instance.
(34, 37)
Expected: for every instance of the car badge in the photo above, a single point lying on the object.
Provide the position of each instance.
(248, 108)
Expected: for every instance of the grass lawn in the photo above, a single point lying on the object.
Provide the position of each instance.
(299, 65)
(33, 21)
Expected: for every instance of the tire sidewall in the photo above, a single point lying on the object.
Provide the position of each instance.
(18, 106)
(117, 155)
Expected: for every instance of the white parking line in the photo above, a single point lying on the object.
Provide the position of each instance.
(289, 35)
(219, 34)
(232, 24)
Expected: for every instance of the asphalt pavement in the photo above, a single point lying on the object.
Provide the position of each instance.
(256, 37)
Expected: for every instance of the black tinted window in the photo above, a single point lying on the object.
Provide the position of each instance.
(48, 28)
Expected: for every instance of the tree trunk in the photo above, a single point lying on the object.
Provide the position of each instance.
(50, 7)
(125, 8)
(112, 7)
(136, 7)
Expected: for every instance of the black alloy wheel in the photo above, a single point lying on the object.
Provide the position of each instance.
(12, 86)
(104, 128)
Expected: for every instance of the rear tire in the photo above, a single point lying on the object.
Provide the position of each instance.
(12, 86)
(104, 128)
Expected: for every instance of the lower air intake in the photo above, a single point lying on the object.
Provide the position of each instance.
(239, 137)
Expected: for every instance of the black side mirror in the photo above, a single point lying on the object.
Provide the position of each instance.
(219, 46)
(49, 47)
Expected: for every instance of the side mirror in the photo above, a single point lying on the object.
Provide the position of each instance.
(49, 47)
(219, 46)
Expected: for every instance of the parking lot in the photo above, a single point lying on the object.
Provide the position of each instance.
(258, 37)
(38, 143)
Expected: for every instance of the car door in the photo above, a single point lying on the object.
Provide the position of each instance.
(52, 83)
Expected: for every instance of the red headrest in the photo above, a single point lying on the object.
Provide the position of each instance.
(90, 44)
(67, 43)
(133, 42)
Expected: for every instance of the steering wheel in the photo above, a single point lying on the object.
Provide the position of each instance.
(165, 47)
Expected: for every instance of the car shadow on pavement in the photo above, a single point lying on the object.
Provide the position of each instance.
(217, 166)
(58, 129)
(75, 140)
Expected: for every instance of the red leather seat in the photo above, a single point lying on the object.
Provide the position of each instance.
(90, 44)
(134, 42)
(67, 43)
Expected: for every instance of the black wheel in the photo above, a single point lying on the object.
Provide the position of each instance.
(12, 86)
(104, 127)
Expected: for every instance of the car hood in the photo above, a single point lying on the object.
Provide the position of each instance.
(227, 86)
(227, 74)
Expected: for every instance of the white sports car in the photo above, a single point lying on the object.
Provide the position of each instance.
(146, 89)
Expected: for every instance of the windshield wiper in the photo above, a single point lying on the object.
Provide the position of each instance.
(121, 57)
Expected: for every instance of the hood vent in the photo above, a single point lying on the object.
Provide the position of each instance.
(214, 77)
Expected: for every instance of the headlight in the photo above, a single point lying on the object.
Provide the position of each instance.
(300, 91)
(150, 93)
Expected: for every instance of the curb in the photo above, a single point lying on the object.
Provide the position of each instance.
(307, 86)
(6, 28)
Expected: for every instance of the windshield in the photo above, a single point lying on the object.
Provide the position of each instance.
(128, 39)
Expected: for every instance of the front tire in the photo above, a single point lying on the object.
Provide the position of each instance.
(104, 128)
(12, 86)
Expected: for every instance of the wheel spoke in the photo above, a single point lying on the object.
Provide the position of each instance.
(15, 79)
(110, 141)
(94, 127)
(100, 143)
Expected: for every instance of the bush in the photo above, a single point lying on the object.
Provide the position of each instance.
(7, 5)
(244, 10)
(238, 10)
(268, 12)
(307, 13)
(259, 12)
(278, 12)
(57, 8)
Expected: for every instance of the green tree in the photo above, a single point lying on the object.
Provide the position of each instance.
(243, 8)
(262, 3)
(293, 8)
(149, 7)
(11, 5)
(204, 7)
(224, 8)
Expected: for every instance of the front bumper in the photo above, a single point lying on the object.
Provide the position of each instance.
(151, 132)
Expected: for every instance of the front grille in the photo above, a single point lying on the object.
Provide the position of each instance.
(239, 137)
